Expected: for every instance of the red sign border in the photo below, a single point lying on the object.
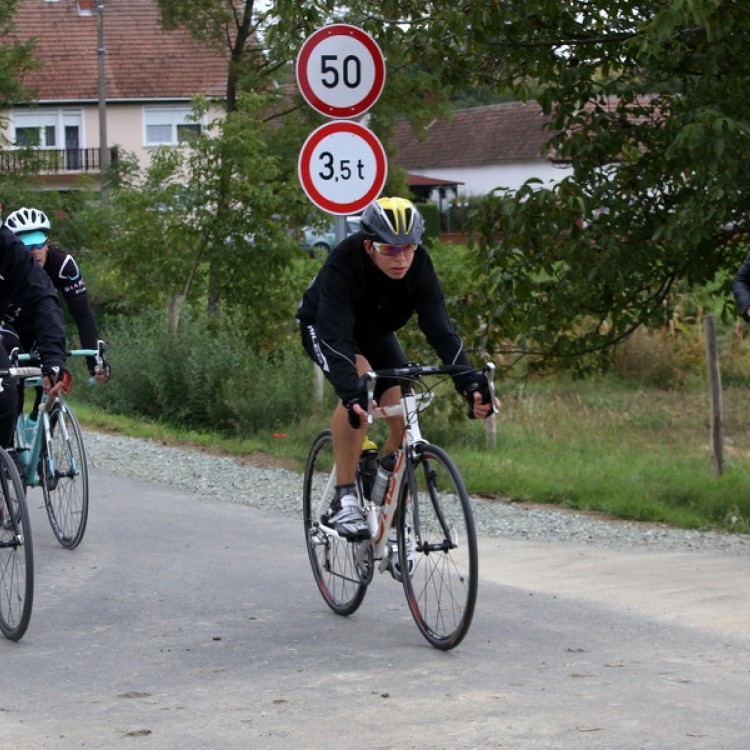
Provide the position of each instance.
(304, 166)
(303, 82)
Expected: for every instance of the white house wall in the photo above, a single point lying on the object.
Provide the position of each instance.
(125, 128)
(484, 179)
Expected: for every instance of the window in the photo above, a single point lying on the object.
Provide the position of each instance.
(45, 128)
(169, 125)
(36, 135)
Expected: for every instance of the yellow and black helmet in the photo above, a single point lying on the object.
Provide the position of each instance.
(394, 221)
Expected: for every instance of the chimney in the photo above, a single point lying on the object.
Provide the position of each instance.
(86, 7)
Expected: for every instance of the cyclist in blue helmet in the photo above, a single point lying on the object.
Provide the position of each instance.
(32, 226)
(24, 284)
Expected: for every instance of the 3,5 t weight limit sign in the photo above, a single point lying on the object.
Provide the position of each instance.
(340, 71)
(342, 167)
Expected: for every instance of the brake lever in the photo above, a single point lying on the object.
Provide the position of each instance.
(369, 378)
(489, 372)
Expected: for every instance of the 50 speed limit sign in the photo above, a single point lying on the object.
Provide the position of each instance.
(340, 71)
(342, 167)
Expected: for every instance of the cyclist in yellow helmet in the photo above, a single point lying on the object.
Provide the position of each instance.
(368, 288)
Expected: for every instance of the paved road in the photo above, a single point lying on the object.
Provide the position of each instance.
(183, 623)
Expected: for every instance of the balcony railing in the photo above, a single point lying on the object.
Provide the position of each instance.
(51, 161)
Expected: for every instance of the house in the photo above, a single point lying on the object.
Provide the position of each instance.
(149, 78)
(480, 149)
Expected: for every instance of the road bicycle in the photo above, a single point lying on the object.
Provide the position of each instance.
(16, 548)
(49, 449)
(426, 499)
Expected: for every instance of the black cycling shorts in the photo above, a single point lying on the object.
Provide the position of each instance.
(382, 352)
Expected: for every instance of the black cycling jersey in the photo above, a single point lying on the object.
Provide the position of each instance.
(24, 285)
(351, 302)
(66, 277)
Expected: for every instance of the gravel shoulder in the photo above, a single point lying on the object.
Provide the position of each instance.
(278, 490)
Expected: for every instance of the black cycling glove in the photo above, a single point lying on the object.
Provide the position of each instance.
(353, 416)
(478, 383)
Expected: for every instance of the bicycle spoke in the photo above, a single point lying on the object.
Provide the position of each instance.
(441, 590)
(341, 577)
(64, 478)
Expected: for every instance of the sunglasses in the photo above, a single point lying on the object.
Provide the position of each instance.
(38, 246)
(391, 251)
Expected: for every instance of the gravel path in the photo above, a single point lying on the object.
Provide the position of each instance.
(229, 480)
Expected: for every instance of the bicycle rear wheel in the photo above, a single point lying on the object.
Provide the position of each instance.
(16, 553)
(442, 588)
(341, 568)
(64, 477)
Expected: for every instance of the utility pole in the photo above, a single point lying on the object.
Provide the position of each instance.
(100, 51)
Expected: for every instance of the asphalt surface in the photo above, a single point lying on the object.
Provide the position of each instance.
(185, 623)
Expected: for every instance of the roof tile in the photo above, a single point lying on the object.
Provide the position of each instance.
(142, 60)
(492, 134)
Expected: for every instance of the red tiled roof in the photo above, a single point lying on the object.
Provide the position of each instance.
(492, 134)
(142, 60)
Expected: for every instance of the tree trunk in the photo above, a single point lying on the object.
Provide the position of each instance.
(174, 307)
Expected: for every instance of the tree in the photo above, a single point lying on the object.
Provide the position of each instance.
(647, 102)
(162, 230)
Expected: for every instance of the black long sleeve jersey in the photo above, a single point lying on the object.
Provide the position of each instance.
(66, 277)
(24, 285)
(351, 301)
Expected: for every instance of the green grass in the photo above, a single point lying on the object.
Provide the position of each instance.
(604, 445)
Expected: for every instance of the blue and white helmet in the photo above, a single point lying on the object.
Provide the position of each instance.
(28, 220)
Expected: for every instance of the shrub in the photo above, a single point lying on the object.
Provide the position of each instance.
(202, 377)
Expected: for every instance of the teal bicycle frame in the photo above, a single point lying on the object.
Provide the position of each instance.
(50, 454)
(29, 434)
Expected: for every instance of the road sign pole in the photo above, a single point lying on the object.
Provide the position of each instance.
(340, 229)
(342, 165)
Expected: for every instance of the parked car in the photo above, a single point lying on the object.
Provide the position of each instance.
(316, 242)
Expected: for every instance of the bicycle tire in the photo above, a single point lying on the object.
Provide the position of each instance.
(441, 590)
(64, 477)
(16, 553)
(341, 577)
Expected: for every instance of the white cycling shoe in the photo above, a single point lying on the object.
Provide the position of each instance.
(345, 516)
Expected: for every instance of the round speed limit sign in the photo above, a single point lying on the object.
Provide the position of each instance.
(340, 71)
(342, 167)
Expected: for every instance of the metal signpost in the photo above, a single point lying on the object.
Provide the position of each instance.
(342, 165)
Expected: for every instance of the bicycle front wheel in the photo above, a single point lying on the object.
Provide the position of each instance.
(16, 553)
(441, 589)
(341, 568)
(65, 478)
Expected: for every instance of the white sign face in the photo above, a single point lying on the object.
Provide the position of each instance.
(340, 71)
(342, 167)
